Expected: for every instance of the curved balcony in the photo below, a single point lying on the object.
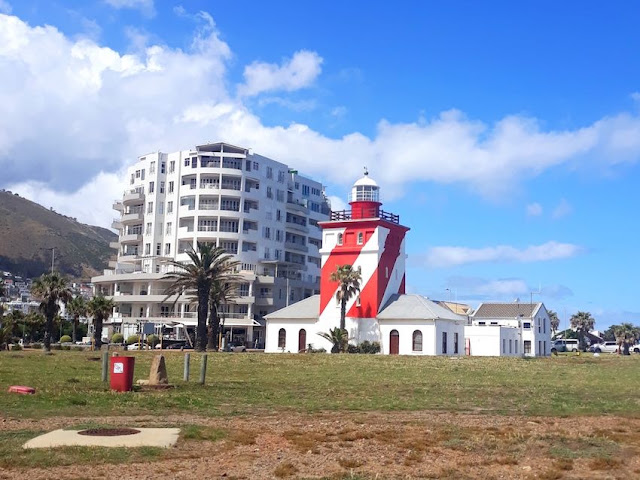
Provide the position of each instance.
(132, 217)
(132, 198)
(131, 238)
(185, 233)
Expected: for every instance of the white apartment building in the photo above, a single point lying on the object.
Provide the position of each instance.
(259, 210)
(509, 329)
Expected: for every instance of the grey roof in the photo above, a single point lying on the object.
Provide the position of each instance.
(415, 307)
(506, 310)
(308, 308)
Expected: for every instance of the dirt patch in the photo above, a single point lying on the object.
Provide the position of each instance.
(367, 445)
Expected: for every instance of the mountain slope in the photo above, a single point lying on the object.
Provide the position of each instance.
(29, 231)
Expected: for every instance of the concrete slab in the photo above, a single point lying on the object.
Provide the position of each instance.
(148, 437)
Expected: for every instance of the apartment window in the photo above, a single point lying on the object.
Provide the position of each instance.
(187, 162)
(266, 232)
(280, 195)
(315, 191)
(169, 207)
(142, 174)
(297, 185)
(161, 187)
(170, 187)
(256, 166)
(360, 238)
(172, 166)
(444, 343)
(282, 338)
(277, 254)
(148, 229)
(278, 235)
(455, 343)
(340, 237)
(527, 346)
(169, 225)
(167, 249)
(152, 167)
(150, 207)
(147, 249)
(269, 192)
(305, 190)
(162, 167)
(417, 341)
(526, 325)
(278, 215)
(269, 172)
(161, 208)
(132, 179)
(137, 173)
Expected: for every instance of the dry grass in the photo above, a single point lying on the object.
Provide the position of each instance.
(604, 463)
(285, 469)
(349, 463)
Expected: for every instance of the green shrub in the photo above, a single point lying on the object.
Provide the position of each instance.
(16, 347)
(131, 339)
(117, 338)
(353, 348)
(56, 346)
(310, 349)
(65, 339)
(369, 347)
(152, 340)
(66, 347)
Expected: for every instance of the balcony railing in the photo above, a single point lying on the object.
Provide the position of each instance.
(365, 213)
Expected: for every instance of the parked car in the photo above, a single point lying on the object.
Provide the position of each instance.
(565, 345)
(606, 347)
(235, 347)
(136, 346)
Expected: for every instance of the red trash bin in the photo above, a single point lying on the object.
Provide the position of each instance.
(122, 373)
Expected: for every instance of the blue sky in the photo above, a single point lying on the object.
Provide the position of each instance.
(505, 134)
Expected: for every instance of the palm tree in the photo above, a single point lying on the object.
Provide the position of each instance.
(208, 264)
(349, 285)
(626, 335)
(50, 289)
(582, 322)
(554, 321)
(77, 307)
(338, 337)
(222, 290)
(99, 308)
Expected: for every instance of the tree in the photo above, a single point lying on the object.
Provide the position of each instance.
(555, 321)
(222, 290)
(50, 289)
(99, 308)
(208, 264)
(77, 307)
(349, 286)
(338, 337)
(582, 322)
(626, 335)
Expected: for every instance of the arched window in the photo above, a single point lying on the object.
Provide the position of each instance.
(339, 239)
(417, 341)
(360, 238)
(282, 338)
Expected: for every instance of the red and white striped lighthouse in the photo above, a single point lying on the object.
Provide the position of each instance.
(370, 240)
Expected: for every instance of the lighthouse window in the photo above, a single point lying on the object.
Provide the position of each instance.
(386, 272)
(360, 238)
(339, 239)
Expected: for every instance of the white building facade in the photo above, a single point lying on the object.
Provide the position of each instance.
(504, 329)
(259, 210)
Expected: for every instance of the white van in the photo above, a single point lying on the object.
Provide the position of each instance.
(565, 345)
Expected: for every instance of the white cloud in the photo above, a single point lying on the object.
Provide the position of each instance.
(145, 6)
(298, 72)
(295, 105)
(337, 203)
(636, 96)
(5, 7)
(534, 210)
(73, 108)
(452, 256)
(562, 210)
(339, 111)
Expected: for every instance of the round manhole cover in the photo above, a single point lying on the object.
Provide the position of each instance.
(108, 432)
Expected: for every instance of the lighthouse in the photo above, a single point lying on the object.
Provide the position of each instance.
(372, 241)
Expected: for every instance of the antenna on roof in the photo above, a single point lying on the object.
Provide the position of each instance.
(366, 172)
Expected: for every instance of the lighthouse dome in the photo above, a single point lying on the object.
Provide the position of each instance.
(365, 190)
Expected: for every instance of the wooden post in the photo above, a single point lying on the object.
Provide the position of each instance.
(105, 365)
(187, 359)
(203, 369)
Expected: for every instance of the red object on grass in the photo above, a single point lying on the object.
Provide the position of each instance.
(22, 389)
(122, 373)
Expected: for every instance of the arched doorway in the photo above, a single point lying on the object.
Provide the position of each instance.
(394, 342)
(302, 340)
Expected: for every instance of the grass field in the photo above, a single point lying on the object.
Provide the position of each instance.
(338, 416)
(69, 384)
